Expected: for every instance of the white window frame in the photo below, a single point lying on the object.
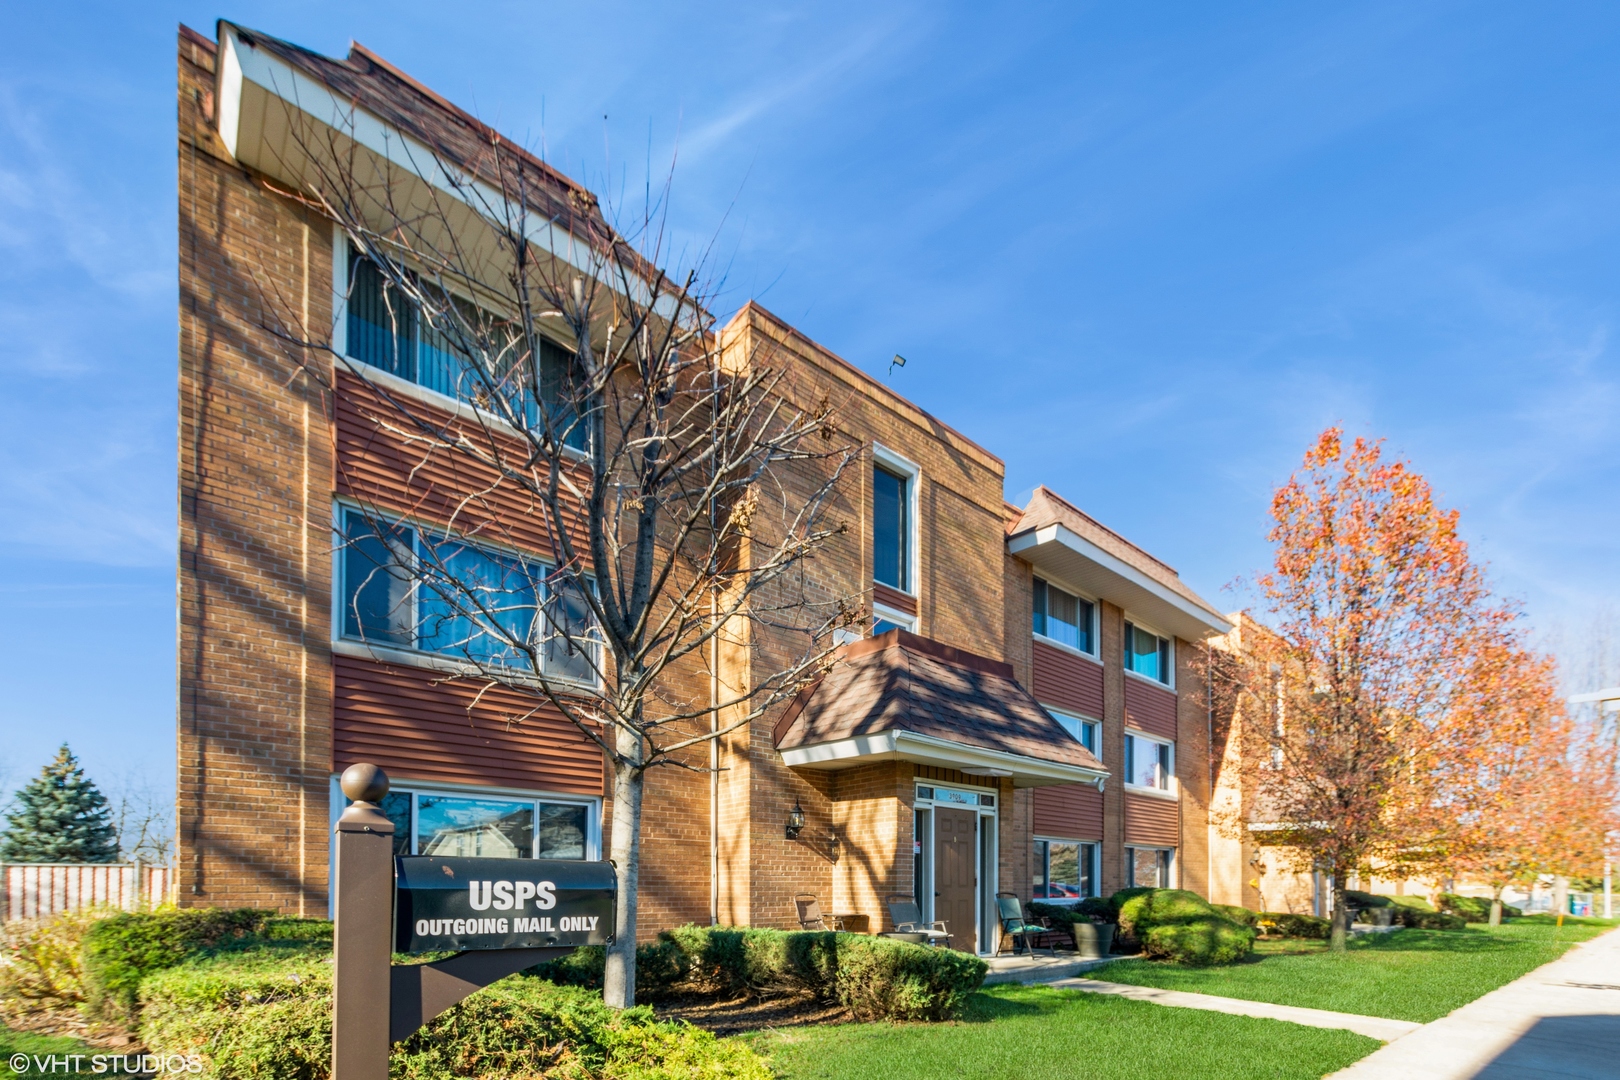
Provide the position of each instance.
(410, 654)
(1171, 790)
(1169, 684)
(1172, 871)
(893, 615)
(894, 463)
(1066, 716)
(1096, 867)
(1094, 631)
(986, 860)
(592, 804)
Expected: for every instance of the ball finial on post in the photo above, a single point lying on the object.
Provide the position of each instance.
(364, 782)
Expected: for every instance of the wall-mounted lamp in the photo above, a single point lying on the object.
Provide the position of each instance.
(795, 821)
(834, 845)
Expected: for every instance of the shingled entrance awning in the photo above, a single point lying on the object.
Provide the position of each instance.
(908, 698)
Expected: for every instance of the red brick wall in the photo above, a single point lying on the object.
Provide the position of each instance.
(254, 671)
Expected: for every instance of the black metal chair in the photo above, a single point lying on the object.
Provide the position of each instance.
(1028, 936)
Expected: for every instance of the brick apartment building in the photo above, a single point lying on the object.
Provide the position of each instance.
(1021, 714)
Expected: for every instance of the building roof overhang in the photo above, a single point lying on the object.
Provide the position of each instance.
(896, 745)
(275, 116)
(1085, 565)
(902, 697)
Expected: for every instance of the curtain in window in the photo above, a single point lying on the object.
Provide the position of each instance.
(381, 325)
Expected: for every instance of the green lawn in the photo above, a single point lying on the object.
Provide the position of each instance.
(1018, 1032)
(17, 1042)
(1416, 975)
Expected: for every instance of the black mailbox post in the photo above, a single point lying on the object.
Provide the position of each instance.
(501, 915)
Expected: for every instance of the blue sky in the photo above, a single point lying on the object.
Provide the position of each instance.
(1143, 252)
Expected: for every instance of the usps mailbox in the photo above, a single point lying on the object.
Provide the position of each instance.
(465, 904)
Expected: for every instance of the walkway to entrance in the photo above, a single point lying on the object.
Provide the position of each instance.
(1562, 1020)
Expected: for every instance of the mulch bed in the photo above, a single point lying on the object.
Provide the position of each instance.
(752, 1013)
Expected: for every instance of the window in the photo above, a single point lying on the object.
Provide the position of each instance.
(891, 529)
(1063, 618)
(486, 826)
(1147, 653)
(1149, 867)
(1064, 870)
(1084, 730)
(886, 619)
(1147, 762)
(408, 588)
(388, 330)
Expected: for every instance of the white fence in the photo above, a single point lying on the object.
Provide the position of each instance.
(32, 890)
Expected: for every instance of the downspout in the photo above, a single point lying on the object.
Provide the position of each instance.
(1209, 763)
(714, 760)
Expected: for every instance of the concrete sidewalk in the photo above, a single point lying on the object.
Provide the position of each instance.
(1560, 1022)
(1372, 1026)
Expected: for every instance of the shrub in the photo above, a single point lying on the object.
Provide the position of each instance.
(1411, 903)
(1241, 915)
(1199, 942)
(1474, 909)
(122, 950)
(1118, 901)
(1288, 925)
(1362, 900)
(1182, 926)
(42, 960)
(713, 959)
(267, 1016)
(1417, 919)
(881, 979)
(1098, 907)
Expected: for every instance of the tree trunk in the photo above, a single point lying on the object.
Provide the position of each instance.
(1337, 940)
(619, 976)
(1496, 906)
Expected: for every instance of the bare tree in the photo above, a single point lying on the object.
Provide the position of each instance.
(143, 815)
(638, 506)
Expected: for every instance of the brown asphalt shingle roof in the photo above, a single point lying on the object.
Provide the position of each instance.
(1047, 507)
(902, 682)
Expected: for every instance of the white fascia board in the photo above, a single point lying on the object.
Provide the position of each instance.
(1066, 537)
(1611, 694)
(244, 64)
(907, 745)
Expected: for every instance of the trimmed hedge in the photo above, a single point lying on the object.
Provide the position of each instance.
(1288, 925)
(121, 951)
(874, 977)
(1182, 926)
(1412, 912)
(1474, 909)
(1237, 914)
(262, 1016)
(881, 979)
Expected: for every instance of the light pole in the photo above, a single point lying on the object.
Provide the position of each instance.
(1607, 700)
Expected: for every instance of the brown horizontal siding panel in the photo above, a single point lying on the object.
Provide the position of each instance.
(894, 598)
(1150, 708)
(1067, 681)
(415, 726)
(379, 467)
(953, 777)
(1152, 821)
(1069, 812)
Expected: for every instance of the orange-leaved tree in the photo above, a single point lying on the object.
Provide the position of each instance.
(1374, 610)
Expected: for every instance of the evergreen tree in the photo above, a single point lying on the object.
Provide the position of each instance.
(60, 817)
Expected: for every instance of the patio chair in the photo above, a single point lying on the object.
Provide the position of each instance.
(907, 919)
(1025, 935)
(810, 916)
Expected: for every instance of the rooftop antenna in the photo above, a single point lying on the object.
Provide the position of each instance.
(898, 361)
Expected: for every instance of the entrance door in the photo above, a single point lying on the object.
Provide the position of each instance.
(955, 880)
